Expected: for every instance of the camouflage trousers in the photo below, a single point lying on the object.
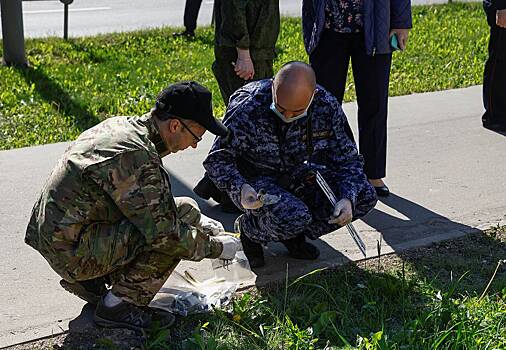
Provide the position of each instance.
(118, 253)
(227, 79)
(306, 212)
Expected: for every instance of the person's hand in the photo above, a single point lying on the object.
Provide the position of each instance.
(402, 37)
(230, 246)
(343, 213)
(501, 18)
(243, 67)
(249, 197)
(210, 226)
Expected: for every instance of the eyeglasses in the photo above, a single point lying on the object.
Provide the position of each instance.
(197, 138)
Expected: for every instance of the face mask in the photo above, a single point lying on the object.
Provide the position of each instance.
(285, 119)
(294, 118)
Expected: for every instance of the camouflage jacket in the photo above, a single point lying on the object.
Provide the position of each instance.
(111, 172)
(263, 145)
(247, 24)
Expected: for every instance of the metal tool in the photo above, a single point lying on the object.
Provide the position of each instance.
(333, 200)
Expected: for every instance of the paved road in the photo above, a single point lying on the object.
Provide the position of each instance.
(88, 17)
(446, 173)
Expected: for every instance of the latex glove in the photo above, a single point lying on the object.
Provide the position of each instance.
(343, 213)
(402, 37)
(210, 226)
(501, 18)
(249, 197)
(243, 66)
(230, 246)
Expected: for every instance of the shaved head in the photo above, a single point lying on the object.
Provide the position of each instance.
(293, 87)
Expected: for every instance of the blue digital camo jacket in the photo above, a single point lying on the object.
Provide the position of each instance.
(265, 146)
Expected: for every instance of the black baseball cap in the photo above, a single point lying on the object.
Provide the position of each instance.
(189, 100)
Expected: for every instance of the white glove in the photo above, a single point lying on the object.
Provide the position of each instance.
(249, 197)
(230, 246)
(343, 213)
(210, 226)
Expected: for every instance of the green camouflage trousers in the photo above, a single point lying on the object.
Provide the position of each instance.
(118, 253)
(225, 75)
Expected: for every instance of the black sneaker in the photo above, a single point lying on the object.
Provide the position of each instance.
(298, 248)
(253, 251)
(227, 206)
(127, 315)
(495, 127)
(206, 189)
(90, 291)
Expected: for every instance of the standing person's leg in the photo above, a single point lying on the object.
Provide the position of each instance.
(224, 72)
(494, 82)
(191, 13)
(372, 74)
(263, 69)
(330, 62)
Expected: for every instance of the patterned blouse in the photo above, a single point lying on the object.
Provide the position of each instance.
(344, 16)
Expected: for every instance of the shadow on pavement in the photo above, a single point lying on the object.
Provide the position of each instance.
(277, 261)
(419, 223)
(83, 334)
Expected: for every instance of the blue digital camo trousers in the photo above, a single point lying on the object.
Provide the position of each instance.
(306, 213)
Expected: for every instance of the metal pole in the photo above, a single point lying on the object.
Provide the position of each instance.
(12, 32)
(66, 4)
(65, 21)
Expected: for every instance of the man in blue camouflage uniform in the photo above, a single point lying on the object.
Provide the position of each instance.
(106, 215)
(282, 131)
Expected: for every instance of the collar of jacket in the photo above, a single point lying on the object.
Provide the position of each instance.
(154, 134)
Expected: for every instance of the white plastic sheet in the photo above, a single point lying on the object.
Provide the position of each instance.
(184, 295)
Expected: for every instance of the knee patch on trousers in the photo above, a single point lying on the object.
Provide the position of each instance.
(187, 210)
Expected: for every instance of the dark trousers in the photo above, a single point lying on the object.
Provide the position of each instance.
(225, 75)
(191, 12)
(371, 74)
(494, 81)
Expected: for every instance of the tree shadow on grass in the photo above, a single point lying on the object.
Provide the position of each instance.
(58, 97)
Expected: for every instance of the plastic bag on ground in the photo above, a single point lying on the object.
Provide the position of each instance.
(184, 295)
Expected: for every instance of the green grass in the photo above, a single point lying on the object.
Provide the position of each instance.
(74, 84)
(430, 298)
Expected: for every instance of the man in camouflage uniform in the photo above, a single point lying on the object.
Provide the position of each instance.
(282, 131)
(245, 37)
(106, 215)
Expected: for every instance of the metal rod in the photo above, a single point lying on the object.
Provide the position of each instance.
(324, 186)
(65, 21)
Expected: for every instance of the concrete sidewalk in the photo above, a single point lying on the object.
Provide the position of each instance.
(445, 171)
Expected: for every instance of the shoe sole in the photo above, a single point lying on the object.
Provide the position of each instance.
(105, 323)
